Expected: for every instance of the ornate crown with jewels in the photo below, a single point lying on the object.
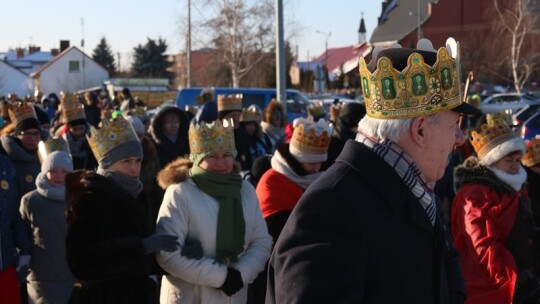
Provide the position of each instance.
(212, 137)
(532, 156)
(52, 144)
(72, 109)
(419, 89)
(231, 102)
(310, 137)
(21, 110)
(111, 134)
(494, 132)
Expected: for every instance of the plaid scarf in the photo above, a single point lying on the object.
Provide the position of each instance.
(406, 169)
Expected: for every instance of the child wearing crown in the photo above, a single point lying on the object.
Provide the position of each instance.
(43, 210)
(492, 221)
(110, 242)
(216, 217)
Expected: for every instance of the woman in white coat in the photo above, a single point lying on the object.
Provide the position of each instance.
(216, 216)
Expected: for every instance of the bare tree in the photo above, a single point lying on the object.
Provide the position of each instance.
(516, 20)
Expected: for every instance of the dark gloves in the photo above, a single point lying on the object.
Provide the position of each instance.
(233, 282)
(192, 249)
(157, 242)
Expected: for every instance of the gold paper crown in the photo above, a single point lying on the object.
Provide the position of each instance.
(420, 89)
(51, 145)
(311, 137)
(334, 111)
(72, 109)
(112, 133)
(192, 109)
(20, 111)
(213, 137)
(316, 109)
(494, 132)
(231, 102)
(532, 155)
(249, 115)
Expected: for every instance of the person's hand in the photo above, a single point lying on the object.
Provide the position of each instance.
(233, 282)
(192, 249)
(23, 264)
(157, 242)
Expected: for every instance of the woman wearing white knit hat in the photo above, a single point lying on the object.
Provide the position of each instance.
(492, 222)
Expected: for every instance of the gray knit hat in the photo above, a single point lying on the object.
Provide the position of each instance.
(57, 160)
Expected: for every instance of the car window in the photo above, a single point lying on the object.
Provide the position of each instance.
(250, 98)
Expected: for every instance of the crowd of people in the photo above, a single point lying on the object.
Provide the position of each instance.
(390, 201)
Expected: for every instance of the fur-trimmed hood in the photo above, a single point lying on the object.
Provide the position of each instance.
(273, 105)
(471, 171)
(174, 173)
(156, 126)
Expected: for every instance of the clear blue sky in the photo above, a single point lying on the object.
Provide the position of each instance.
(125, 24)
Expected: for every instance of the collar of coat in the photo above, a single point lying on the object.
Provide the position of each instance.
(384, 180)
(472, 172)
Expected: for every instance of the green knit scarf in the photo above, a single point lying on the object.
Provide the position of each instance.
(225, 188)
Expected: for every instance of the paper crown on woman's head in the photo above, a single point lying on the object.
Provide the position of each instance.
(72, 109)
(20, 111)
(211, 137)
(403, 83)
(231, 102)
(52, 144)
(310, 140)
(494, 139)
(532, 155)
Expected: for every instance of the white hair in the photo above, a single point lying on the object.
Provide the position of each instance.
(388, 129)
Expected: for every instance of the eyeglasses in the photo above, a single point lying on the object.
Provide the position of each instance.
(171, 123)
(29, 134)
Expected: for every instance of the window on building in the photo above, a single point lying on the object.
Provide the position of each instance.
(74, 66)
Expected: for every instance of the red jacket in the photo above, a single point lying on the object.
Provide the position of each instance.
(277, 193)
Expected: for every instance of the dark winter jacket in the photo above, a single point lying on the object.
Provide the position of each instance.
(168, 150)
(149, 170)
(359, 235)
(106, 226)
(13, 232)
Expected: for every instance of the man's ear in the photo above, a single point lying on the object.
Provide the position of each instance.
(417, 131)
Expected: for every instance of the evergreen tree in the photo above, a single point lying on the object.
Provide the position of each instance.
(150, 60)
(103, 55)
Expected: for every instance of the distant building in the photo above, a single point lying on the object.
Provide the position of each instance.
(12, 80)
(71, 70)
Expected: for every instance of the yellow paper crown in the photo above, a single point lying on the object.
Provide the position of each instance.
(231, 102)
(334, 111)
(112, 133)
(316, 109)
(20, 111)
(214, 137)
(51, 145)
(491, 134)
(420, 89)
(310, 137)
(532, 155)
(72, 109)
(249, 115)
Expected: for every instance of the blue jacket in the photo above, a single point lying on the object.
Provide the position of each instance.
(13, 231)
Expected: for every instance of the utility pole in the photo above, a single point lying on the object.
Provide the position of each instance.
(326, 37)
(188, 46)
(280, 54)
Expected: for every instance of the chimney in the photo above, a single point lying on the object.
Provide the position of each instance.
(33, 49)
(19, 52)
(64, 44)
(54, 52)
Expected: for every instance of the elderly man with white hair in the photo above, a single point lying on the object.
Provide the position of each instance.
(369, 229)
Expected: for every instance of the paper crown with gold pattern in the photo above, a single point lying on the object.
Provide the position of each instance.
(310, 140)
(494, 139)
(532, 155)
(52, 144)
(113, 133)
(335, 109)
(249, 114)
(418, 89)
(316, 109)
(21, 110)
(213, 137)
(231, 102)
(72, 109)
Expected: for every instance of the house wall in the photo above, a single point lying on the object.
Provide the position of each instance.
(57, 77)
(14, 81)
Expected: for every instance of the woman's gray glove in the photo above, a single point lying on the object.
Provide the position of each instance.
(157, 242)
(192, 249)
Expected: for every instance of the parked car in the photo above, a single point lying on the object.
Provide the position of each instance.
(531, 127)
(522, 115)
(296, 101)
(502, 102)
